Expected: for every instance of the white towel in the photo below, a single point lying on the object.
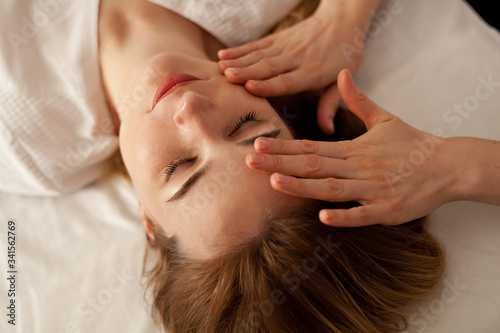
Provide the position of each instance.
(233, 22)
(55, 128)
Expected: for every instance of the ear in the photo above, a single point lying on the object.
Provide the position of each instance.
(146, 222)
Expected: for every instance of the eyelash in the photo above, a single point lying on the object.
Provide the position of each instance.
(175, 164)
(250, 116)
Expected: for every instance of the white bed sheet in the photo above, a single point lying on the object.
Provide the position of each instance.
(428, 60)
(79, 257)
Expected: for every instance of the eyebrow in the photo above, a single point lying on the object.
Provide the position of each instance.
(188, 184)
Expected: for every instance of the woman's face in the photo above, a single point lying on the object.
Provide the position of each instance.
(186, 155)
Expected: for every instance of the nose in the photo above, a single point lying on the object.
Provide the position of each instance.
(196, 112)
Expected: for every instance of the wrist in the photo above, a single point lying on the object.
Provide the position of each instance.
(459, 169)
(476, 169)
(359, 12)
(351, 17)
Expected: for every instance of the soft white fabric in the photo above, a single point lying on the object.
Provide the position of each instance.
(233, 22)
(78, 261)
(55, 128)
(428, 58)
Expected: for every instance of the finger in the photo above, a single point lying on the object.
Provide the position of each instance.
(222, 66)
(357, 102)
(239, 51)
(308, 166)
(281, 84)
(329, 189)
(353, 217)
(261, 70)
(338, 149)
(327, 108)
(251, 58)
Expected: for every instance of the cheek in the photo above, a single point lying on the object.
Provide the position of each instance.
(139, 143)
(129, 149)
(126, 150)
(141, 159)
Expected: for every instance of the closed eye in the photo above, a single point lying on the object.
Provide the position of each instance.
(272, 134)
(175, 164)
(250, 116)
(250, 141)
(247, 117)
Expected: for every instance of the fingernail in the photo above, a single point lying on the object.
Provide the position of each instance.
(255, 82)
(224, 65)
(236, 71)
(221, 52)
(331, 127)
(327, 216)
(349, 75)
(256, 158)
(282, 179)
(262, 144)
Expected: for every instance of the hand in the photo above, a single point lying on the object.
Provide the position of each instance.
(396, 172)
(306, 56)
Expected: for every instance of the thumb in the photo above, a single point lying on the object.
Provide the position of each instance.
(327, 108)
(358, 103)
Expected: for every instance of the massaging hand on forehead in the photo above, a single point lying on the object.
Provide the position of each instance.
(369, 169)
(396, 172)
(306, 56)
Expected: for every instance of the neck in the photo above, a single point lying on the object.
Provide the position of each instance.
(128, 38)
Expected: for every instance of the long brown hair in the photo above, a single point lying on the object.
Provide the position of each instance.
(298, 275)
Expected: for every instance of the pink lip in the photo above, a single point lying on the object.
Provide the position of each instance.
(170, 84)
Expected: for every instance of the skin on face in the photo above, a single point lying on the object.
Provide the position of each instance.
(195, 123)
